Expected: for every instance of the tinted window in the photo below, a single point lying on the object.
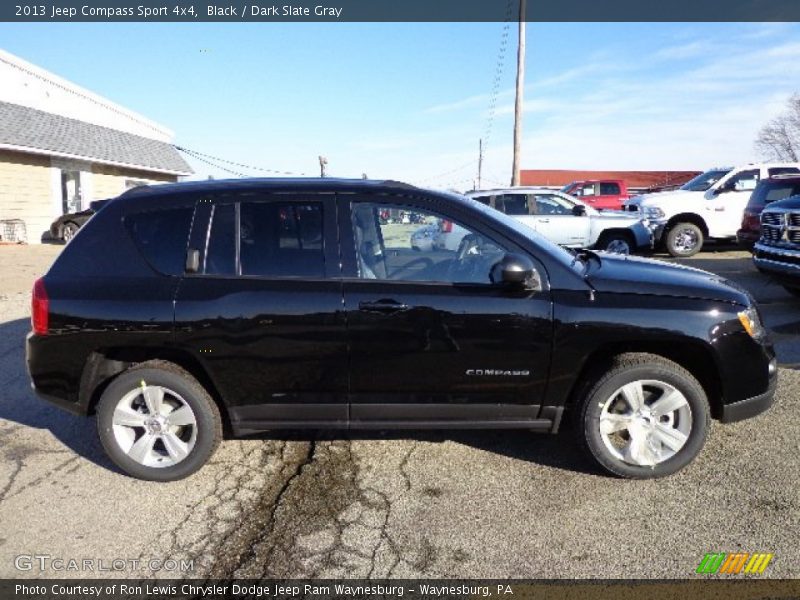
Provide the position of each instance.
(275, 239)
(513, 204)
(780, 170)
(281, 239)
(772, 191)
(162, 237)
(221, 254)
(487, 200)
(433, 248)
(609, 189)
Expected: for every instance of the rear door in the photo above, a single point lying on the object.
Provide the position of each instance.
(432, 340)
(263, 312)
(609, 196)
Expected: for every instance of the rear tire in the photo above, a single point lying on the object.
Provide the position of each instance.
(684, 240)
(645, 417)
(68, 231)
(156, 422)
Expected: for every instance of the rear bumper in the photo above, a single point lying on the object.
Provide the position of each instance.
(750, 407)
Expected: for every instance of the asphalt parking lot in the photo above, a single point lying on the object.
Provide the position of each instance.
(454, 504)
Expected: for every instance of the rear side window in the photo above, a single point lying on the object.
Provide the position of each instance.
(608, 188)
(162, 237)
(266, 239)
(780, 170)
(513, 204)
(768, 192)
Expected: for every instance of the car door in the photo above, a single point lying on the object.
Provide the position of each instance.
(725, 205)
(557, 219)
(432, 340)
(608, 198)
(261, 308)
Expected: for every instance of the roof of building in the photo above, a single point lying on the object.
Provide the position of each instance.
(39, 132)
(559, 177)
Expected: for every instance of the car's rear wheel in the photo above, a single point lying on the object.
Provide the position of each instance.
(156, 422)
(684, 240)
(68, 231)
(645, 417)
(617, 242)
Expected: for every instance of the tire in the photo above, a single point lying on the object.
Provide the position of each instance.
(616, 450)
(156, 449)
(684, 240)
(68, 231)
(617, 242)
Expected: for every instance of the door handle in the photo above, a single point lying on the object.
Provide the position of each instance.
(383, 306)
(543, 220)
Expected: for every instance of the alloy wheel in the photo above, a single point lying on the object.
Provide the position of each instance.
(154, 426)
(645, 422)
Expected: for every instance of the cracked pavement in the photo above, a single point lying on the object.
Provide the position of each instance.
(393, 505)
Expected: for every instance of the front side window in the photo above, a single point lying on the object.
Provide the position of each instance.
(162, 237)
(550, 204)
(513, 204)
(589, 189)
(432, 249)
(266, 239)
(744, 181)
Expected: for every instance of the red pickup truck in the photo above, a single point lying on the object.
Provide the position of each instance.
(599, 193)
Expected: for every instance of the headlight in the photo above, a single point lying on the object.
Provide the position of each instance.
(653, 212)
(751, 323)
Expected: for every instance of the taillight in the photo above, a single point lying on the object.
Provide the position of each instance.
(447, 226)
(750, 221)
(40, 308)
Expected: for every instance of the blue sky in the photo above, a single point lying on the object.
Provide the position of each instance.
(410, 101)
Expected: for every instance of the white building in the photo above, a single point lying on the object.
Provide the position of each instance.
(62, 146)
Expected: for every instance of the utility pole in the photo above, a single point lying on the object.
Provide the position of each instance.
(518, 100)
(323, 162)
(480, 162)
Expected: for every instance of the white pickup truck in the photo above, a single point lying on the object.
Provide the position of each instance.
(710, 206)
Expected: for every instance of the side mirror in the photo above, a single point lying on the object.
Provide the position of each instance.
(516, 270)
(579, 210)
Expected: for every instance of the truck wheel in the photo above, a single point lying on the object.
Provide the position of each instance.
(616, 242)
(645, 417)
(684, 239)
(156, 422)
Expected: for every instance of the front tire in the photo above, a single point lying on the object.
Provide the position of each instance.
(645, 417)
(616, 242)
(156, 422)
(684, 240)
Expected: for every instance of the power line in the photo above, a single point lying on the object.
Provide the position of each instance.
(448, 172)
(197, 155)
(498, 75)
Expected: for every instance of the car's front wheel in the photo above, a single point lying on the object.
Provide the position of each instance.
(684, 240)
(645, 417)
(157, 422)
(616, 242)
(68, 231)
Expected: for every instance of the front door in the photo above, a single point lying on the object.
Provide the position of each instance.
(729, 202)
(556, 220)
(263, 312)
(432, 340)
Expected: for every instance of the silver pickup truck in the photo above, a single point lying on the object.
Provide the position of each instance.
(557, 216)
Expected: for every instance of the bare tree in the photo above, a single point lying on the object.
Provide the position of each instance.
(780, 138)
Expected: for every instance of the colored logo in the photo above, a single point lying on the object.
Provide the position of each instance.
(734, 563)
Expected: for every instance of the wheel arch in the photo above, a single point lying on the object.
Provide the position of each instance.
(623, 231)
(103, 366)
(693, 218)
(694, 357)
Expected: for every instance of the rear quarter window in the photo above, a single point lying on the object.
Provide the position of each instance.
(162, 237)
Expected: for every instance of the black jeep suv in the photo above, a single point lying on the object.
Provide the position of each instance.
(268, 304)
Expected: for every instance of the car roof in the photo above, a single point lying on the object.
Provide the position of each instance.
(522, 188)
(271, 183)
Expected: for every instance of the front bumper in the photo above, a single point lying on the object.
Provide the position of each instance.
(750, 407)
(783, 262)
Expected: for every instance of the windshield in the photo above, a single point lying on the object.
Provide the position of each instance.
(705, 180)
(567, 187)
